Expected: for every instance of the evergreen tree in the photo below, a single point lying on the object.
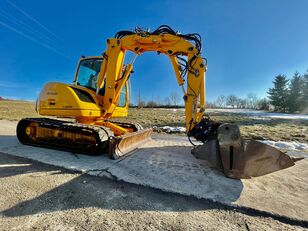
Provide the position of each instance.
(305, 91)
(278, 95)
(295, 98)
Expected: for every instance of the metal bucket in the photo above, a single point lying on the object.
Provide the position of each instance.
(241, 159)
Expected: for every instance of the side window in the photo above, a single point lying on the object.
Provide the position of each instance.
(88, 73)
(84, 75)
(122, 97)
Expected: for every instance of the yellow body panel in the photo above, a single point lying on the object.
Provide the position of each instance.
(66, 100)
(120, 112)
(59, 99)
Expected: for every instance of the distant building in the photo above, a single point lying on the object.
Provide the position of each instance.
(1, 98)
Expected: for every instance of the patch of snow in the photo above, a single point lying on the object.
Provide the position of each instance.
(293, 145)
(248, 112)
(169, 129)
(261, 114)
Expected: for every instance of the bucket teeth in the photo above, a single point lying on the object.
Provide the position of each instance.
(240, 159)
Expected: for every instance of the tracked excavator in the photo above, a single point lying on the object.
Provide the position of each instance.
(100, 93)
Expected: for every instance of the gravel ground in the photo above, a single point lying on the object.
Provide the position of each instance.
(35, 196)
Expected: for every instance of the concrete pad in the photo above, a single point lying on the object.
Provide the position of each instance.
(166, 163)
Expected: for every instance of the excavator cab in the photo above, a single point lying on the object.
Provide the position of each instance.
(86, 76)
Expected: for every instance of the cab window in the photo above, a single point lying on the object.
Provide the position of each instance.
(122, 97)
(88, 72)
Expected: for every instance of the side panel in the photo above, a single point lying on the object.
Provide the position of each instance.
(64, 100)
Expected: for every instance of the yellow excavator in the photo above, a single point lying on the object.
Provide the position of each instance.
(100, 92)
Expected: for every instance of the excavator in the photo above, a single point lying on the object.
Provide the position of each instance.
(100, 93)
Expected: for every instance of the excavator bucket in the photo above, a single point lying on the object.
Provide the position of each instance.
(121, 145)
(241, 159)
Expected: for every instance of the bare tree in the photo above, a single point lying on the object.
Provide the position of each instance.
(151, 104)
(252, 100)
(232, 100)
(221, 101)
(157, 100)
(211, 105)
(141, 104)
(167, 101)
(175, 98)
(242, 103)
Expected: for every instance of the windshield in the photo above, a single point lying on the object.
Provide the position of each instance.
(88, 73)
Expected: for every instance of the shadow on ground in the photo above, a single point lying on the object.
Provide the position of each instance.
(165, 165)
(89, 191)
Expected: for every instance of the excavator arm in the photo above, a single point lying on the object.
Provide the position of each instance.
(223, 145)
(114, 75)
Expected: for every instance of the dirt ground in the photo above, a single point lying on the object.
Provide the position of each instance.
(35, 196)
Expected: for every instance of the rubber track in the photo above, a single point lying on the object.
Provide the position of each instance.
(101, 133)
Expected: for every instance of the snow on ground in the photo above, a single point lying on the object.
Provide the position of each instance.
(260, 114)
(250, 113)
(169, 129)
(292, 146)
(284, 145)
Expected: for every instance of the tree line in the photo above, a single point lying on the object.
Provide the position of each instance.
(231, 101)
(251, 101)
(286, 95)
(290, 95)
(171, 101)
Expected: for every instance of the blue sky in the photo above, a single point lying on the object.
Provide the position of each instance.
(246, 42)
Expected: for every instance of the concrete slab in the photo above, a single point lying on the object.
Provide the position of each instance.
(166, 163)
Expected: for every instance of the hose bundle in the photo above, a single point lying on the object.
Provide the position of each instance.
(163, 29)
(184, 65)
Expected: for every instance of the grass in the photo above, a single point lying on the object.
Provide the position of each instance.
(15, 110)
(256, 128)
